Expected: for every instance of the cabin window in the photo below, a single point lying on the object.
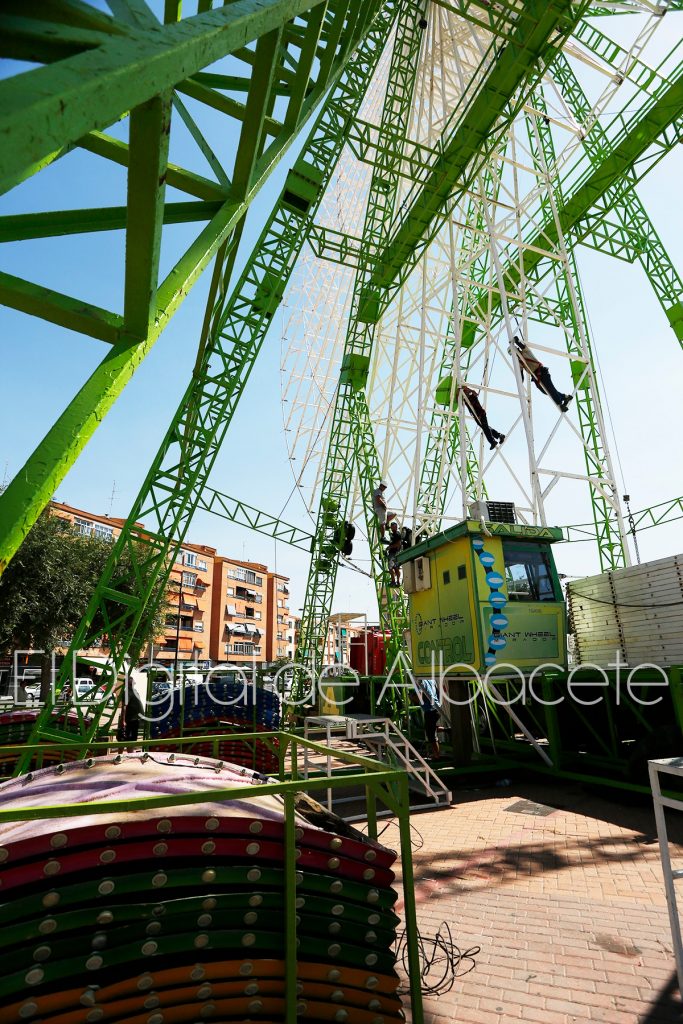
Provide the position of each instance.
(528, 573)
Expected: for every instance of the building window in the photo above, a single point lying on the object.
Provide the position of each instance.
(86, 528)
(189, 558)
(230, 591)
(83, 526)
(279, 604)
(242, 648)
(189, 579)
(280, 619)
(245, 575)
(257, 615)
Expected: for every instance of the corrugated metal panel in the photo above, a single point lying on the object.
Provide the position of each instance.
(636, 611)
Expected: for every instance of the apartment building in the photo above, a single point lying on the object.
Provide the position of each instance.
(188, 614)
(277, 632)
(293, 634)
(218, 610)
(342, 627)
(239, 610)
(187, 635)
(88, 523)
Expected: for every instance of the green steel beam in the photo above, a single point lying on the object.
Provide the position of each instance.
(22, 226)
(239, 512)
(60, 309)
(511, 72)
(185, 181)
(27, 39)
(223, 104)
(51, 108)
(657, 515)
(150, 125)
(175, 481)
(630, 235)
(638, 133)
(35, 484)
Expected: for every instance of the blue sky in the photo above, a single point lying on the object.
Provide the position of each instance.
(44, 365)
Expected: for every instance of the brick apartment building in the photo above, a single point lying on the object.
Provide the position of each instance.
(278, 615)
(250, 613)
(188, 616)
(188, 620)
(218, 609)
(342, 627)
(239, 612)
(293, 634)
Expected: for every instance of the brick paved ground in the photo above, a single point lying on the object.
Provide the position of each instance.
(568, 909)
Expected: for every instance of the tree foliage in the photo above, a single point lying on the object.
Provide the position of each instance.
(45, 590)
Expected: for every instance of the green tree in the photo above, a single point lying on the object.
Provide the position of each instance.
(45, 590)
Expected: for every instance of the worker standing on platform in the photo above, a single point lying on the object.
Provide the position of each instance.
(379, 505)
(539, 373)
(478, 413)
(395, 548)
(428, 695)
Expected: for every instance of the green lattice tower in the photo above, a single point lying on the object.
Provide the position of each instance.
(609, 526)
(175, 481)
(342, 449)
(99, 69)
(516, 62)
(443, 447)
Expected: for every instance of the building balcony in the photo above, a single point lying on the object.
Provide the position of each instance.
(243, 649)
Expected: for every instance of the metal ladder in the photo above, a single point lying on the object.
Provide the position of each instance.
(384, 741)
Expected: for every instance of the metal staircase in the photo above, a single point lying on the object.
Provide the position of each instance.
(384, 741)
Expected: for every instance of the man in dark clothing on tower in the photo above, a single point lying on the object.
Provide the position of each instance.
(539, 373)
(478, 412)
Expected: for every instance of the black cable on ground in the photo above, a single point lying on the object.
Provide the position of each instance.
(441, 961)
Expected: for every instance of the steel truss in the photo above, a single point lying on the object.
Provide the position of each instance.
(469, 206)
(279, 57)
(123, 605)
(418, 439)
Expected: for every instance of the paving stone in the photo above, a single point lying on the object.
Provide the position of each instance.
(567, 906)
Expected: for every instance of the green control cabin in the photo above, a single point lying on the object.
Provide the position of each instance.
(485, 595)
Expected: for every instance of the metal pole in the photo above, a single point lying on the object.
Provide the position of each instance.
(409, 911)
(177, 629)
(667, 871)
(290, 911)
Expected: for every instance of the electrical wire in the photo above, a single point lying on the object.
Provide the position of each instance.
(441, 961)
(416, 843)
(622, 604)
(602, 383)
